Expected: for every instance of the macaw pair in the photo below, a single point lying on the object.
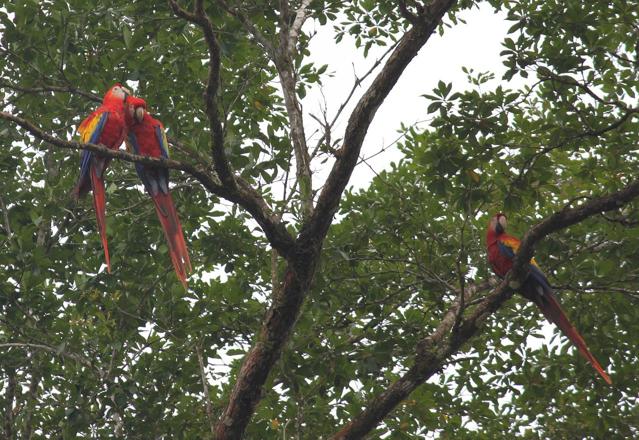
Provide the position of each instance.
(123, 117)
(501, 253)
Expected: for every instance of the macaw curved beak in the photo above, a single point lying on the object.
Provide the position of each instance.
(138, 114)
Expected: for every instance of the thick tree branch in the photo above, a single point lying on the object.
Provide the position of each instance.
(257, 364)
(434, 351)
(243, 194)
(408, 15)
(200, 18)
(362, 116)
(288, 300)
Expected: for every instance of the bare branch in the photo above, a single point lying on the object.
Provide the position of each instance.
(433, 351)
(358, 81)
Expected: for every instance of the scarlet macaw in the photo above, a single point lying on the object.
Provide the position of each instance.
(501, 252)
(147, 137)
(107, 125)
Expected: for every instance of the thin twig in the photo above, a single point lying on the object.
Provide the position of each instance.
(205, 389)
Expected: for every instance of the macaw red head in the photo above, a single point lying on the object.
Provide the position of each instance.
(136, 108)
(498, 223)
(116, 94)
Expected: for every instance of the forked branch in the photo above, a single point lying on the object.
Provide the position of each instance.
(435, 350)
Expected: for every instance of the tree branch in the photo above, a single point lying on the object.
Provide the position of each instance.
(200, 18)
(288, 300)
(283, 58)
(5, 216)
(76, 357)
(205, 388)
(433, 351)
(257, 364)
(243, 194)
(10, 398)
(49, 88)
(362, 116)
(249, 26)
(300, 17)
(295, 116)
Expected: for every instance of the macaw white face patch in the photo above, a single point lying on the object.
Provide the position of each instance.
(502, 221)
(120, 92)
(493, 223)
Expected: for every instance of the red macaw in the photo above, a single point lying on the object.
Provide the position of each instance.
(107, 125)
(501, 252)
(147, 137)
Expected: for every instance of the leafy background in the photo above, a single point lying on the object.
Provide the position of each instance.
(122, 350)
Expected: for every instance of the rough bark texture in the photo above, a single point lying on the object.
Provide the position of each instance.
(283, 313)
(275, 331)
(302, 254)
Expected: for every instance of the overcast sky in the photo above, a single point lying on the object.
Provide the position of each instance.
(475, 45)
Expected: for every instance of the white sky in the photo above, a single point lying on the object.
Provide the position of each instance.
(476, 45)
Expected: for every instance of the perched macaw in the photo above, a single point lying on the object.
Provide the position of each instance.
(147, 137)
(107, 125)
(501, 252)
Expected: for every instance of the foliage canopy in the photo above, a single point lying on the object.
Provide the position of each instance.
(90, 355)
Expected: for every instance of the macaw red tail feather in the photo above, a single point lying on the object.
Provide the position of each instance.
(100, 212)
(552, 311)
(174, 237)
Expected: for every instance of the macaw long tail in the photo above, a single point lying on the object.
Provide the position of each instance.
(552, 311)
(99, 204)
(173, 232)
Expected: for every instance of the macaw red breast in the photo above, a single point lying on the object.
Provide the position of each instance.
(150, 137)
(500, 262)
